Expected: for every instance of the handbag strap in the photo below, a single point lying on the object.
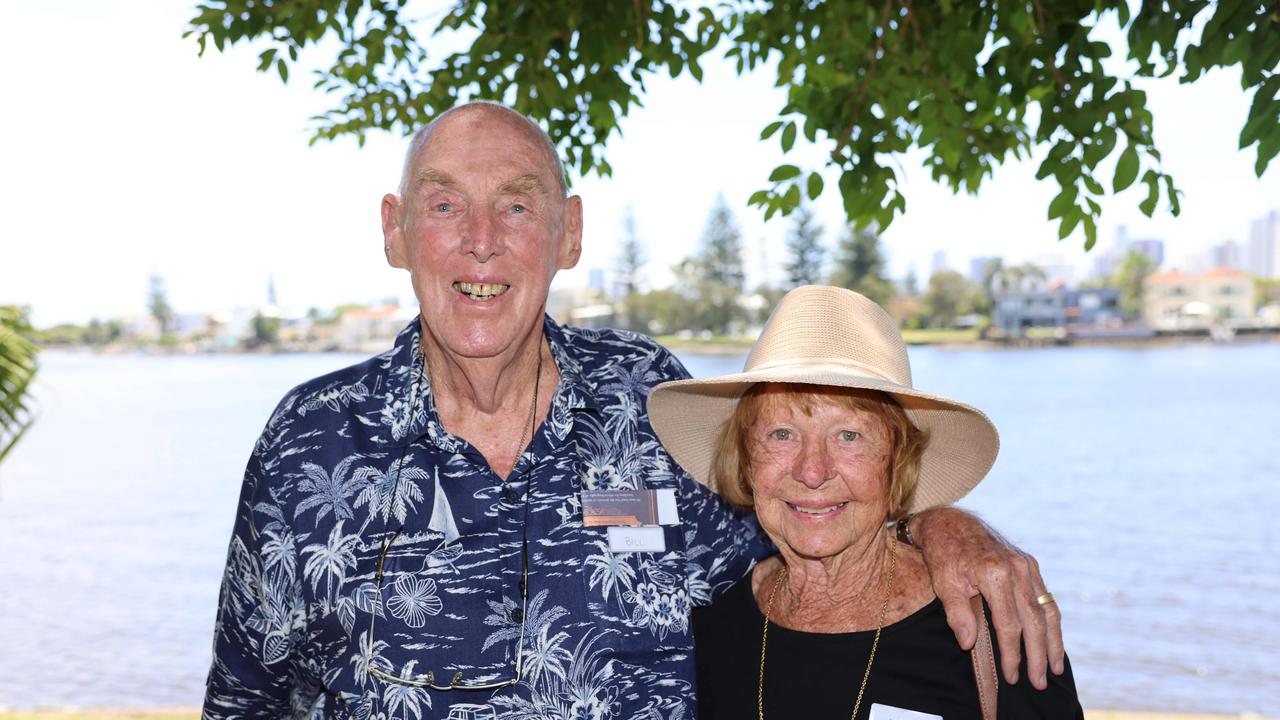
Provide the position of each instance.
(984, 663)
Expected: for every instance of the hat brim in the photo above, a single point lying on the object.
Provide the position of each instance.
(963, 443)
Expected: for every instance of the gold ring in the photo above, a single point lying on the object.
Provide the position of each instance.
(1045, 598)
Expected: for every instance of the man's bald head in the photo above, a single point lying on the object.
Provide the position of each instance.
(529, 127)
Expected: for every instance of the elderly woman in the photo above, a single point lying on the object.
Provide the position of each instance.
(824, 437)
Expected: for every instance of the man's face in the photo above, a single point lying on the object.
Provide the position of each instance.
(482, 228)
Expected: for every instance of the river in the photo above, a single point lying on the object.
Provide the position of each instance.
(1146, 481)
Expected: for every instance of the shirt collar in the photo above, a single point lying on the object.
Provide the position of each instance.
(409, 406)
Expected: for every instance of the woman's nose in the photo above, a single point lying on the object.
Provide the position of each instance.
(813, 466)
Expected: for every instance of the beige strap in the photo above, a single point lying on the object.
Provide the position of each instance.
(984, 663)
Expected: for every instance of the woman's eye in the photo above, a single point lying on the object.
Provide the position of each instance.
(443, 207)
(849, 435)
(518, 209)
(780, 434)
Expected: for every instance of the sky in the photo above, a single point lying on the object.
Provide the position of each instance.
(124, 154)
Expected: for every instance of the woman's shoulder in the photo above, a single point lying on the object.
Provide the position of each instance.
(730, 610)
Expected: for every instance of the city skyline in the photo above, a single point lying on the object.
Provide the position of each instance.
(199, 169)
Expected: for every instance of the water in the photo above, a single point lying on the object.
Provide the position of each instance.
(1145, 481)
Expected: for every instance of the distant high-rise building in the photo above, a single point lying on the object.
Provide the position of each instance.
(271, 291)
(1153, 249)
(595, 278)
(978, 267)
(1263, 258)
(939, 261)
(1226, 254)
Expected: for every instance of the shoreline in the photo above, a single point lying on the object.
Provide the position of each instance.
(733, 346)
(180, 713)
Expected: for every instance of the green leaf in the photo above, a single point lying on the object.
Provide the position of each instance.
(266, 58)
(1069, 222)
(1148, 206)
(1090, 233)
(283, 70)
(815, 185)
(791, 199)
(758, 197)
(784, 172)
(1175, 204)
(1126, 169)
(788, 136)
(695, 69)
(770, 129)
(1064, 201)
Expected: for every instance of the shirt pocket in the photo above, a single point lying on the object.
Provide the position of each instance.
(642, 595)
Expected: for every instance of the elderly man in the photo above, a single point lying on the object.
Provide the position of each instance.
(427, 533)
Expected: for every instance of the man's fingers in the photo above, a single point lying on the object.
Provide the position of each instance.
(1053, 623)
(960, 616)
(1031, 616)
(998, 589)
(1057, 652)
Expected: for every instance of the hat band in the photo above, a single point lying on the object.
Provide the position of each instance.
(810, 363)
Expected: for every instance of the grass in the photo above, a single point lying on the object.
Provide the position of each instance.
(923, 336)
(932, 336)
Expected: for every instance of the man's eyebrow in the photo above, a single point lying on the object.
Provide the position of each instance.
(529, 184)
(430, 176)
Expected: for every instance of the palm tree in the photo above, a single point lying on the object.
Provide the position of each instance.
(330, 560)
(330, 492)
(403, 696)
(611, 573)
(17, 369)
(394, 492)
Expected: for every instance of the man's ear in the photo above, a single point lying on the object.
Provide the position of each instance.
(571, 241)
(393, 232)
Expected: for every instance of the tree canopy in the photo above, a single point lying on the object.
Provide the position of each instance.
(805, 252)
(971, 83)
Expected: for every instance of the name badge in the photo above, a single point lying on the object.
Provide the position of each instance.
(889, 712)
(629, 508)
(636, 539)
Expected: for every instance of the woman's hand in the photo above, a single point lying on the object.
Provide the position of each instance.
(965, 557)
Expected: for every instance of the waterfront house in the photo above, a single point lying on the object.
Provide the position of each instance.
(1173, 300)
(1053, 305)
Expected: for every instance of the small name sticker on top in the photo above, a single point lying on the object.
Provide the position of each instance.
(637, 539)
(889, 712)
(612, 508)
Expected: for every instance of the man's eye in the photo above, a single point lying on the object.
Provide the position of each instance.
(443, 207)
(849, 435)
(519, 209)
(780, 434)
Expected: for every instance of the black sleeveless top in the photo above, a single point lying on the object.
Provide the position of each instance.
(918, 667)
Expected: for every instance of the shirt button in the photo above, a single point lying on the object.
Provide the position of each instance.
(509, 496)
(517, 615)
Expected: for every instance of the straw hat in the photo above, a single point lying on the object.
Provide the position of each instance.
(824, 335)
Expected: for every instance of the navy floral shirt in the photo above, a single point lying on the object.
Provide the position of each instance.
(354, 473)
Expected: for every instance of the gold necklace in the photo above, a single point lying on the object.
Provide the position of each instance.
(875, 643)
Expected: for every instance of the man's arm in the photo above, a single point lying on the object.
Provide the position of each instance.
(251, 675)
(965, 556)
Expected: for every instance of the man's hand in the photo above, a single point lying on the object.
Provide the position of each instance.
(964, 557)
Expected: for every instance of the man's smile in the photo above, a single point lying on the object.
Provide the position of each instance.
(481, 291)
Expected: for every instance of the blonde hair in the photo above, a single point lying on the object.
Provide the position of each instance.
(730, 463)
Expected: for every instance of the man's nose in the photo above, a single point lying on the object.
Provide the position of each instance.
(482, 235)
(813, 466)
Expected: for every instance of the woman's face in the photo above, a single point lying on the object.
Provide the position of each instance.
(820, 479)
